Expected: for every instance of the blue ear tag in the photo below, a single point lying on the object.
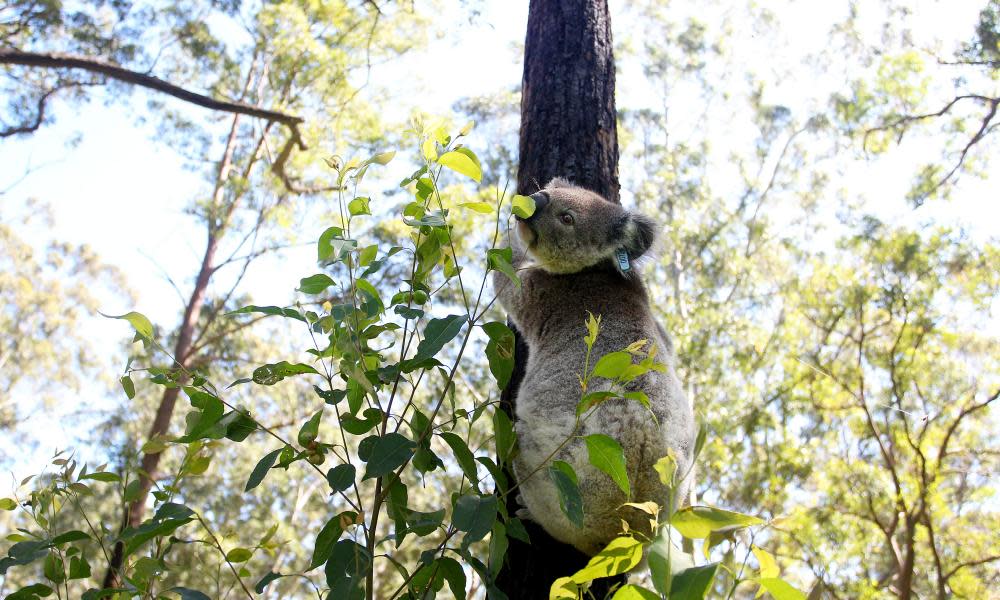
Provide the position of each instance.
(623, 262)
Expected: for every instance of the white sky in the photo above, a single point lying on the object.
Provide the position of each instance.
(124, 194)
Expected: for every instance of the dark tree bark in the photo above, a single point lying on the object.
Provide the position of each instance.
(568, 129)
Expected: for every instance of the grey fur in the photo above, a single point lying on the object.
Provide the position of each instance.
(567, 270)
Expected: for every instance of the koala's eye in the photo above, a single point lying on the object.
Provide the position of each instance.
(566, 218)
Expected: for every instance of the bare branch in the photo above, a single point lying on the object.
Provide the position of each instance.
(54, 60)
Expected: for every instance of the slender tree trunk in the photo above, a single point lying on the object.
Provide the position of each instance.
(136, 509)
(568, 129)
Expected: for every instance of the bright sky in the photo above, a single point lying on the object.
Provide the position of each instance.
(122, 193)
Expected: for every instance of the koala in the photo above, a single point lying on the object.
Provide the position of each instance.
(576, 254)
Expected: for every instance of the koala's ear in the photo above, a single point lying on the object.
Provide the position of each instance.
(638, 232)
(559, 182)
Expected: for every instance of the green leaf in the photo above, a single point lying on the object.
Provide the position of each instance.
(454, 574)
(23, 553)
(79, 568)
(270, 310)
(69, 536)
(359, 206)
(768, 567)
(503, 434)
(128, 386)
(31, 592)
(781, 590)
(341, 477)
(474, 514)
(169, 516)
(239, 555)
(271, 374)
(606, 454)
(566, 468)
(211, 411)
(570, 500)
(54, 568)
(383, 158)
(697, 522)
(461, 163)
(693, 583)
(389, 452)
(266, 579)
(620, 556)
(499, 259)
(479, 207)
(142, 325)
(7, 504)
(315, 284)
(612, 365)
(500, 352)
(463, 455)
(522, 206)
(634, 592)
(592, 399)
(310, 429)
(102, 476)
(328, 537)
(438, 333)
(260, 471)
(189, 594)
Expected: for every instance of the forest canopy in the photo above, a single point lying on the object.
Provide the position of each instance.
(249, 346)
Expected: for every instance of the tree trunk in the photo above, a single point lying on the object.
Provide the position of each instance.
(182, 352)
(568, 129)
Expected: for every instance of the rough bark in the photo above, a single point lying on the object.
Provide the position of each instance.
(568, 129)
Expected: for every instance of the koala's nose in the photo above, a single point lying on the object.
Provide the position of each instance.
(541, 199)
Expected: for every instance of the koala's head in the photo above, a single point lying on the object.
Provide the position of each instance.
(573, 229)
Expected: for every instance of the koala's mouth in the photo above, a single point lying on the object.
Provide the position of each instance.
(526, 233)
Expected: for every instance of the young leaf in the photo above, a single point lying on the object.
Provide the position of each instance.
(612, 365)
(139, 322)
(768, 566)
(781, 590)
(480, 207)
(570, 500)
(697, 522)
(461, 163)
(592, 399)
(522, 206)
(606, 454)
(620, 556)
(634, 592)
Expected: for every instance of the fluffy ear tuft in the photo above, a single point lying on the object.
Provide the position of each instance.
(638, 234)
(559, 182)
